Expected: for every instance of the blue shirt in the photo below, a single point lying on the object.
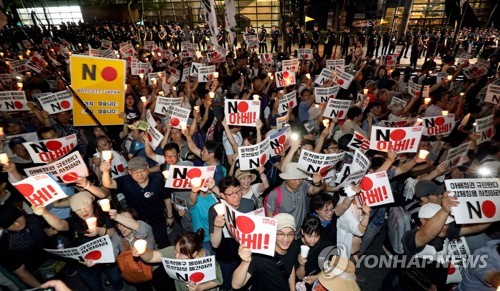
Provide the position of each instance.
(199, 214)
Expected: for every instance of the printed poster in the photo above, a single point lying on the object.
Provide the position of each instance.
(40, 190)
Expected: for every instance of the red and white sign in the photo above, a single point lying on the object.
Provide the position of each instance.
(186, 54)
(13, 101)
(48, 151)
(205, 73)
(285, 78)
(401, 140)
(280, 141)
(479, 200)
(359, 142)
(177, 116)
(336, 65)
(477, 70)
(57, 102)
(36, 63)
(19, 65)
(154, 135)
(343, 79)
(322, 95)
(163, 104)
(193, 271)
(118, 164)
(287, 102)
(241, 112)
(438, 125)
(106, 43)
(66, 170)
(266, 59)
(254, 232)
(137, 68)
(127, 51)
(311, 162)
(291, 65)
(254, 156)
(99, 250)
(179, 177)
(354, 172)
(324, 76)
(305, 54)
(456, 155)
(149, 44)
(337, 108)
(376, 189)
(485, 127)
(282, 121)
(40, 190)
(107, 53)
(194, 69)
(216, 57)
(493, 94)
(389, 60)
(415, 89)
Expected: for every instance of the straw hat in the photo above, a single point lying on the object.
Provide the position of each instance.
(338, 275)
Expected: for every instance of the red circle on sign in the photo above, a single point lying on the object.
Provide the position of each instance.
(489, 132)
(417, 94)
(305, 56)
(489, 208)
(142, 71)
(25, 189)
(293, 68)
(194, 173)
(53, 145)
(35, 59)
(130, 50)
(290, 104)
(398, 134)
(451, 269)
(196, 277)
(341, 113)
(70, 177)
(65, 104)
(366, 184)
(120, 168)
(93, 255)
(245, 224)
(330, 97)
(18, 105)
(109, 74)
(324, 171)
(242, 107)
(129, 58)
(340, 82)
(22, 68)
(263, 159)
(187, 54)
(439, 121)
(285, 74)
(215, 54)
(281, 139)
(389, 58)
(174, 121)
(267, 56)
(150, 138)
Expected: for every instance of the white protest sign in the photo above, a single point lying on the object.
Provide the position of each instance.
(154, 75)
(396, 122)
(40, 190)
(438, 125)
(285, 78)
(282, 121)
(241, 112)
(194, 69)
(401, 139)
(280, 141)
(13, 101)
(337, 108)
(397, 101)
(253, 231)
(99, 250)
(266, 58)
(194, 271)
(291, 65)
(186, 54)
(178, 116)
(154, 136)
(456, 155)
(149, 44)
(65, 170)
(479, 199)
(185, 74)
(287, 102)
(106, 43)
(343, 79)
(50, 150)
(359, 142)
(304, 54)
(336, 65)
(57, 102)
(311, 162)
(354, 172)
(476, 71)
(389, 60)
(254, 156)
(376, 189)
(459, 253)
(324, 76)
(322, 95)
(163, 104)
(493, 94)
(205, 73)
(441, 76)
(137, 68)
(485, 127)
(215, 57)
(179, 177)
(127, 51)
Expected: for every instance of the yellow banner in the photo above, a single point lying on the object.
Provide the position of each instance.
(100, 84)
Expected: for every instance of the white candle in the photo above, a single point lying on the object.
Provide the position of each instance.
(220, 209)
(419, 121)
(449, 78)
(4, 159)
(140, 246)
(161, 93)
(141, 75)
(326, 122)
(153, 80)
(256, 97)
(304, 251)
(365, 91)
(144, 99)
(422, 154)
(165, 174)
(316, 105)
(107, 155)
(1, 131)
(444, 113)
(308, 76)
(197, 108)
(427, 100)
(196, 182)
(295, 136)
(216, 75)
(19, 84)
(104, 203)
(174, 88)
(91, 223)
(269, 74)
(211, 94)
(183, 125)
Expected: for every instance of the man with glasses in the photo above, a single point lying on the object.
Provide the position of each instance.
(146, 192)
(270, 273)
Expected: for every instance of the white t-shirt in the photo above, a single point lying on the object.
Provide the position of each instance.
(227, 144)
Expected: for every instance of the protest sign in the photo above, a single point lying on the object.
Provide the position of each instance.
(401, 140)
(19, 65)
(216, 57)
(458, 251)
(205, 73)
(359, 142)
(493, 94)
(194, 69)
(476, 71)
(99, 250)
(456, 155)
(254, 156)
(285, 78)
(337, 108)
(304, 54)
(485, 127)
(107, 53)
(343, 79)
(13, 101)
(438, 125)
(185, 74)
(389, 60)
(336, 65)
(50, 150)
(398, 122)
(36, 63)
(40, 190)
(186, 54)
(291, 65)
(280, 141)
(106, 43)
(149, 44)
(192, 271)
(311, 162)
(479, 199)
(287, 102)
(395, 101)
(153, 135)
(127, 51)
(154, 75)
(179, 177)
(441, 76)
(321, 95)
(163, 104)
(56, 102)
(254, 232)
(137, 68)
(189, 46)
(266, 59)
(281, 121)
(65, 170)
(324, 76)
(178, 115)
(376, 189)
(353, 173)
(415, 89)
(241, 112)
(99, 83)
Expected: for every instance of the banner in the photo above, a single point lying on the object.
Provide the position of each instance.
(291, 65)
(65, 170)
(305, 54)
(241, 112)
(401, 140)
(376, 189)
(485, 128)
(311, 162)
(287, 102)
(230, 22)
(493, 94)
(163, 104)
(438, 125)
(100, 84)
(324, 76)
(285, 78)
(353, 173)
(194, 271)
(456, 155)
(40, 190)
(479, 199)
(254, 232)
(205, 73)
(359, 142)
(177, 116)
(337, 108)
(254, 156)
(179, 177)
(280, 141)
(13, 101)
(57, 102)
(50, 150)
(210, 17)
(336, 65)
(99, 250)
(322, 95)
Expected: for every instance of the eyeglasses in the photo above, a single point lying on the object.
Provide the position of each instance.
(281, 235)
(234, 194)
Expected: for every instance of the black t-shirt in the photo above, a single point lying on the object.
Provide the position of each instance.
(78, 228)
(313, 255)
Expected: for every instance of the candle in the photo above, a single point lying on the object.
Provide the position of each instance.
(308, 76)
(161, 93)
(216, 75)
(419, 121)
(211, 94)
(19, 84)
(365, 91)
(91, 223)
(197, 108)
(272, 77)
(444, 113)
(462, 94)
(1, 131)
(304, 251)
(449, 78)
(4, 159)
(256, 97)
(474, 127)
(326, 122)
(422, 154)
(144, 99)
(220, 209)
(140, 246)
(196, 182)
(430, 72)
(165, 174)
(153, 80)
(269, 74)
(174, 88)
(141, 75)
(316, 105)
(295, 136)
(183, 125)
(104, 203)
(427, 100)
(281, 92)
(107, 155)
(125, 87)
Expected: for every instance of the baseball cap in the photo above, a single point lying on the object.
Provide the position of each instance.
(140, 125)
(137, 163)
(15, 141)
(285, 220)
(429, 210)
(426, 188)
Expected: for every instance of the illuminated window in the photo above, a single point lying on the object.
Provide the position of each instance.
(56, 14)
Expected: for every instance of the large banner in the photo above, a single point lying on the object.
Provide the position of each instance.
(257, 233)
(99, 250)
(40, 190)
(438, 125)
(280, 141)
(51, 150)
(195, 271)
(179, 177)
(479, 199)
(13, 101)
(254, 156)
(322, 95)
(287, 102)
(485, 127)
(376, 189)
(241, 112)
(311, 162)
(56, 102)
(401, 140)
(210, 16)
(65, 170)
(100, 84)
(337, 108)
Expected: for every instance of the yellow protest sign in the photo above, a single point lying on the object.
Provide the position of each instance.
(100, 84)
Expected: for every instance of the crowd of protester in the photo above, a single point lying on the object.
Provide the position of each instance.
(310, 209)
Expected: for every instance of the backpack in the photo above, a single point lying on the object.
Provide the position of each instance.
(278, 200)
(399, 223)
(133, 269)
